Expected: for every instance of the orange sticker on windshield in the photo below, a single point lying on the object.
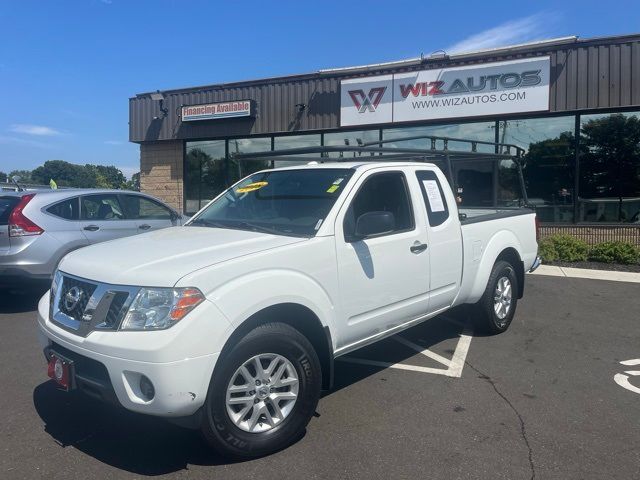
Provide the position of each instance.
(251, 187)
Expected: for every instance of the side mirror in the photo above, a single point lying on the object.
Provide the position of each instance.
(374, 223)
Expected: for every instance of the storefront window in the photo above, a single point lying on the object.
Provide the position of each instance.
(204, 173)
(482, 131)
(610, 168)
(549, 164)
(354, 138)
(241, 168)
(295, 141)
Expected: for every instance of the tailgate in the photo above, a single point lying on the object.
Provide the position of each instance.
(6, 207)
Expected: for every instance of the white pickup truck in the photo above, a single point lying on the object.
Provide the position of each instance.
(234, 320)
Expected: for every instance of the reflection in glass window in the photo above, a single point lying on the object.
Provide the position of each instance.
(549, 164)
(295, 141)
(354, 138)
(241, 168)
(482, 131)
(474, 182)
(610, 168)
(204, 175)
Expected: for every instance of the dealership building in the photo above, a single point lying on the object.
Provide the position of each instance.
(572, 104)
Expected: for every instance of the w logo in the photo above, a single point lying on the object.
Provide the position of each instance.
(367, 103)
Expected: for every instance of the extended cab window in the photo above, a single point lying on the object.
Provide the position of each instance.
(139, 207)
(381, 192)
(67, 209)
(101, 207)
(434, 198)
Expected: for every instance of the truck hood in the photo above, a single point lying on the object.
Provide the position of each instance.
(162, 257)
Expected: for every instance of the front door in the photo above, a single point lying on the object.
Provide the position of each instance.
(384, 280)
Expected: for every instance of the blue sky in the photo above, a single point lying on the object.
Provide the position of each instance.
(67, 68)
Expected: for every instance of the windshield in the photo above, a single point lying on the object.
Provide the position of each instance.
(282, 202)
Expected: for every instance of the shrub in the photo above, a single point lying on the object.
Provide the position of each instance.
(563, 247)
(615, 252)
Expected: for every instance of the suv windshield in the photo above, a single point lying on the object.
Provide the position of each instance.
(282, 202)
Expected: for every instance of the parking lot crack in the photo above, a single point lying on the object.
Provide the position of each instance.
(523, 429)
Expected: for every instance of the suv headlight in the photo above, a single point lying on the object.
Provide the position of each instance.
(160, 308)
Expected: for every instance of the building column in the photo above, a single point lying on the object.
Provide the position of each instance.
(161, 171)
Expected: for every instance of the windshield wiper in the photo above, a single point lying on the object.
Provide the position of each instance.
(208, 223)
(265, 229)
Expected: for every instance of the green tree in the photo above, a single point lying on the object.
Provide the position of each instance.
(134, 183)
(65, 174)
(107, 176)
(3, 177)
(25, 175)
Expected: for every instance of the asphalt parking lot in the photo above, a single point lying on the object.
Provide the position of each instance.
(539, 401)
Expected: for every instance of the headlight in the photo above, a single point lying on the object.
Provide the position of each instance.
(160, 308)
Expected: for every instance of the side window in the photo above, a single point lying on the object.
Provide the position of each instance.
(382, 192)
(434, 198)
(101, 207)
(67, 209)
(139, 207)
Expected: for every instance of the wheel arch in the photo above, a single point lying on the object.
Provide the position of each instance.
(302, 319)
(512, 256)
(504, 245)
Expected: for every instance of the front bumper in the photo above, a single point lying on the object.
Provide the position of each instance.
(180, 386)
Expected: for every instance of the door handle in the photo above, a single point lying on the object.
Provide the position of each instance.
(92, 228)
(144, 226)
(418, 247)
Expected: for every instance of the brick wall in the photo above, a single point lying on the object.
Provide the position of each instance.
(161, 171)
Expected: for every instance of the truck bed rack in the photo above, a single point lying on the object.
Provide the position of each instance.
(378, 151)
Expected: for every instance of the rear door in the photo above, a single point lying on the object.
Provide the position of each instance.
(7, 203)
(148, 213)
(103, 217)
(445, 238)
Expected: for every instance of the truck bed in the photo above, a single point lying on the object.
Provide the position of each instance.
(476, 215)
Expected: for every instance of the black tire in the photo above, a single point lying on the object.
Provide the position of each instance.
(222, 433)
(487, 320)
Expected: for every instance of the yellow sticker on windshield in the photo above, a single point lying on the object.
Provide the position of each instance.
(251, 187)
(333, 188)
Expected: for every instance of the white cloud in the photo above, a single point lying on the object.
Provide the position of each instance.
(22, 141)
(534, 27)
(113, 142)
(39, 130)
(106, 2)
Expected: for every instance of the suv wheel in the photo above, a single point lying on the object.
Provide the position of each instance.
(496, 308)
(264, 392)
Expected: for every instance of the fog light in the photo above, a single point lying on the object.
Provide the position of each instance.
(146, 387)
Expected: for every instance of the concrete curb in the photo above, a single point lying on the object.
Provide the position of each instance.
(554, 271)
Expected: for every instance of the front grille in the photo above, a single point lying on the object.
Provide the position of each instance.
(116, 311)
(71, 290)
(83, 306)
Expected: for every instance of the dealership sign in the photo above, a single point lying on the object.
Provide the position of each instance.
(469, 91)
(210, 111)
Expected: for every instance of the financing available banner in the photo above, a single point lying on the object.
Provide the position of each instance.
(476, 90)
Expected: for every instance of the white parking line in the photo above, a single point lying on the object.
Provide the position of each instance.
(454, 366)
